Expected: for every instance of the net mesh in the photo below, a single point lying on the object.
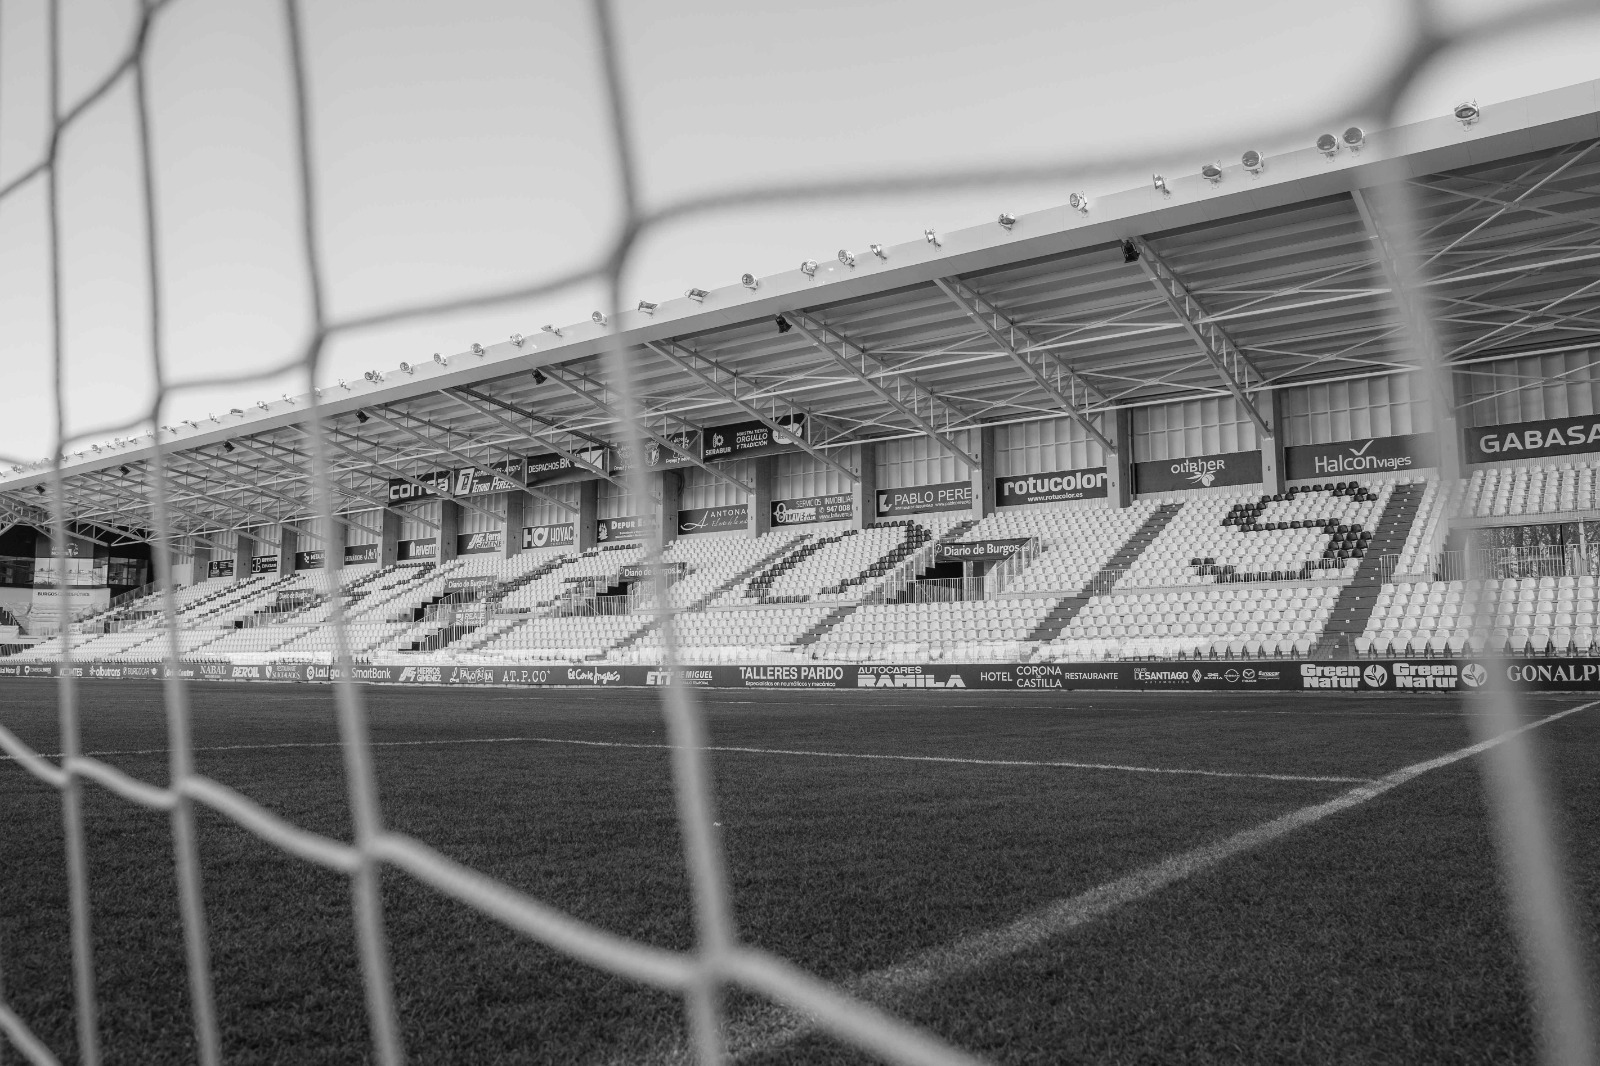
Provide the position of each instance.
(719, 959)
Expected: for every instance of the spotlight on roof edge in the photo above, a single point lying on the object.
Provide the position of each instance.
(1467, 112)
(441, 360)
(878, 250)
(1253, 162)
(1159, 183)
(290, 399)
(749, 281)
(1328, 145)
(648, 307)
(1079, 203)
(809, 268)
(233, 411)
(1006, 220)
(516, 340)
(1355, 138)
(477, 349)
(407, 368)
(697, 295)
(551, 330)
(931, 237)
(598, 318)
(373, 376)
(263, 405)
(847, 257)
(1212, 172)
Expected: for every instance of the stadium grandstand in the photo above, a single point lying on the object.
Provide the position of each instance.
(1183, 422)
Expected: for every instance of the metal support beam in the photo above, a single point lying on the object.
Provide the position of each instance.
(1006, 333)
(725, 383)
(578, 385)
(392, 420)
(910, 398)
(367, 460)
(485, 406)
(1235, 369)
(255, 448)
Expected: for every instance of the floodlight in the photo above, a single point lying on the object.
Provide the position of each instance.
(1253, 162)
(847, 257)
(1328, 145)
(1159, 183)
(227, 445)
(290, 399)
(96, 448)
(316, 392)
(373, 376)
(551, 330)
(405, 368)
(1130, 252)
(749, 281)
(122, 469)
(539, 378)
(1355, 138)
(783, 325)
(516, 340)
(878, 250)
(647, 307)
(477, 349)
(361, 416)
(343, 386)
(1079, 203)
(39, 489)
(809, 268)
(598, 318)
(1467, 112)
(263, 405)
(236, 411)
(697, 295)
(931, 237)
(1006, 220)
(441, 360)
(1212, 172)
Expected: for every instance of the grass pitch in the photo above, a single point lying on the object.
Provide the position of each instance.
(1377, 935)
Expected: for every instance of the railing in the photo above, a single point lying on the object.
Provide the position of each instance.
(1008, 569)
(1479, 563)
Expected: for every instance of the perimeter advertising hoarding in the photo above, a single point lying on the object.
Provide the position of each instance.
(462, 481)
(1198, 472)
(1052, 487)
(1369, 455)
(263, 564)
(920, 499)
(713, 519)
(1531, 440)
(809, 509)
(551, 536)
(549, 466)
(360, 553)
(480, 543)
(980, 551)
(425, 548)
(607, 530)
(746, 440)
(311, 560)
(219, 568)
(1381, 675)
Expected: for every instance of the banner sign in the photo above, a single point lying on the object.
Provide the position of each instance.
(840, 508)
(549, 466)
(493, 540)
(658, 457)
(980, 551)
(419, 549)
(462, 481)
(607, 530)
(311, 560)
(291, 598)
(473, 583)
(219, 568)
(713, 519)
(1198, 472)
(1379, 675)
(1053, 487)
(950, 496)
(1530, 440)
(745, 440)
(1371, 455)
(360, 553)
(263, 564)
(553, 536)
(642, 571)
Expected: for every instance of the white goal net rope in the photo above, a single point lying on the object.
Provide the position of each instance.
(719, 959)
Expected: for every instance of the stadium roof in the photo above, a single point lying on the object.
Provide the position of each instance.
(1243, 285)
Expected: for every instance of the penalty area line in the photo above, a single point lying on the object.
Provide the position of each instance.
(790, 752)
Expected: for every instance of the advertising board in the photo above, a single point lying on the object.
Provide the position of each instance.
(980, 551)
(311, 560)
(1052, 487)
(746, 440)
(263, 564)
(920, 499)
(551, 536)
(219, 568)
(360, 553)
(422, 548)
(610, 530)
(809, 509)
(1369, 455)
(1198, 472)
(1532, 440)
(492, 540)
(713, 519)
(461, 481)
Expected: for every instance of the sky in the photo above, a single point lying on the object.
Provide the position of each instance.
(465, 147)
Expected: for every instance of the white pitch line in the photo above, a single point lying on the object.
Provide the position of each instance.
(772, 1026)
(1047, 765)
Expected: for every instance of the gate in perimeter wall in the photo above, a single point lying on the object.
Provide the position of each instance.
(1366, 675)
